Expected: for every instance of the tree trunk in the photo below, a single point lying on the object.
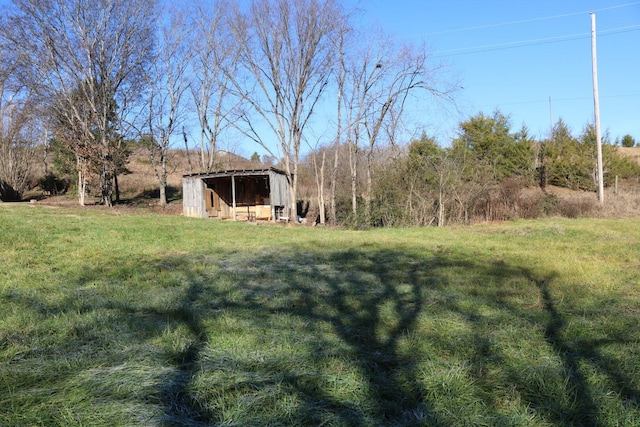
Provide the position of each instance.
(163, 180)
(293, 195)
(369, 190)
(80, 189)
(440, 208)
(106, 179)
(336, 149)
(163, 195)
(320, 186)
(81, 181)
(353, 163)
(116, 187)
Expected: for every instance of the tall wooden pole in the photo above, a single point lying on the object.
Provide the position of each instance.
(596, 107)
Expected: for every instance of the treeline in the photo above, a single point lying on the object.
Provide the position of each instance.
(489, 172)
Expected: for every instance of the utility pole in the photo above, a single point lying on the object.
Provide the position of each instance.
(596, 107)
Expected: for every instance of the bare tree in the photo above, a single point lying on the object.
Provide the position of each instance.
(215, 59)
(18, 140)
(168, 83)
(361, 71)
(341, 77)
(94, 51)
(286, 52)
(381, 75)
(392, 78)
(72, 128)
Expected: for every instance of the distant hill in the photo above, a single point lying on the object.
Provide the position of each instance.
(633, 152)
(139, 186)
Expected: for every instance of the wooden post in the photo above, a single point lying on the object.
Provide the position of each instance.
(233, 195)
(596, 107)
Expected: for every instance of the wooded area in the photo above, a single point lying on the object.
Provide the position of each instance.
(85, 83)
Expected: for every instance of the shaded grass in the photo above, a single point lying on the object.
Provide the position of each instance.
(155, 320)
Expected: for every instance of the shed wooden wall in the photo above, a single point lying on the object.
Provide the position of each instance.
(194, 194)
(279, 188)
(193, 203)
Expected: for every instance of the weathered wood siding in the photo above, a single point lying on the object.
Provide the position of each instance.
(193, 202)
(194, 193)
(279, 188)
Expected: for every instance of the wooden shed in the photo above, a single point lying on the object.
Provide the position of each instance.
(246, 194)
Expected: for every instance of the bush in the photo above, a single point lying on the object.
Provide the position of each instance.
(574, 208)
(549, 204)
(51, 184)
(8, 193)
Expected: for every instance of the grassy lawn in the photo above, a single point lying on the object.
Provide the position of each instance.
(113, 319)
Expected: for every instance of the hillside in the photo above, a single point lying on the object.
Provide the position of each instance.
(139, 187)
(633, 152)
(142, 181)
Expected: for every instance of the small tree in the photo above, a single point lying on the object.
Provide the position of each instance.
(628, 141)
(167, 80)
(489, 140)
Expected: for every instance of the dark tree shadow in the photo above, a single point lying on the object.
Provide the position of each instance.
(356, 292)
(146, 197)
(181, 409)
(585, 412)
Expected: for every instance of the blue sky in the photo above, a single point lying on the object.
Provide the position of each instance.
(514, 55)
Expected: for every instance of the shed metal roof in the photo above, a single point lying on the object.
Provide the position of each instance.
(234, 172)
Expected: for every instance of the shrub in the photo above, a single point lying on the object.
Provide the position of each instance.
(574, 208)
(549, 204)
(53, 185)
(8, 193)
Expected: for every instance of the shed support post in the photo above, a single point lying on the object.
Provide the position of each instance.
(233, 195)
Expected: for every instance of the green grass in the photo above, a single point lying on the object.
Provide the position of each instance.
(128, 319)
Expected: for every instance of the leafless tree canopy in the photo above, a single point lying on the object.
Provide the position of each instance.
(18, 120)
(287, 50)
(89, 51)
(215, 61)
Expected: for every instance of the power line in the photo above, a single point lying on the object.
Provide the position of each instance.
(532, 42)
(522, 21)
(555, 100)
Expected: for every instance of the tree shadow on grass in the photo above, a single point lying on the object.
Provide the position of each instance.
(585, 411)
(180, 408)
(305, 317)
(373, 299)
(574, 403)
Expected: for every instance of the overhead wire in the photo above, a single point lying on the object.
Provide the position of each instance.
(556, 100)
(523, 21)
(532, 42)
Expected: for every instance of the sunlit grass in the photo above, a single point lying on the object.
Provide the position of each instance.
(121, 319)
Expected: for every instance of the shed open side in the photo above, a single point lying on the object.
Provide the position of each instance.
(247, 194)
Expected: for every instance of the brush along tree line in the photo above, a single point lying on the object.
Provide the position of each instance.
(482, 175)
(88, 79)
